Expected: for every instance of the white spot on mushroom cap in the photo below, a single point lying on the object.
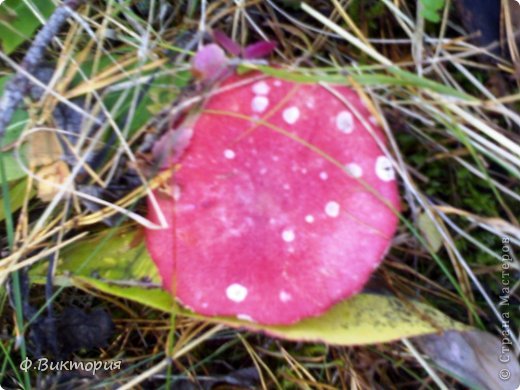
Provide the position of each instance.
(259, 103)
(290, 115)
(245, 317)
(354, 170)
(345, 122)
(176, 192)
(277, 83)
(384, 169)
(332, 209)
(236, 292)
(288, 235)
(285, 296)
(261, 88)
(229, 154)
(324, 175)
(309, 218)
(186, 208)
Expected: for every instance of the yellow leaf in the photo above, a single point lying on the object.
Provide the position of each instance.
(44, 148)
(51, 175)
(362, 319)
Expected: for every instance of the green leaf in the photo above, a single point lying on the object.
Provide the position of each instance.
(433, 4)
(412, 79)
(12, 168)
(431, 10)
(430, 15)
(115, 262)
(430, 232)
(156, 298)
(16, 197)
(113, 254)
(400, 77)
(18, 22)
(14, 130)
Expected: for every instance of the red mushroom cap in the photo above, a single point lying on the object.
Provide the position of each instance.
(282, 205)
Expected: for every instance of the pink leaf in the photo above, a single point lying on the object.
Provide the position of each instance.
(259, 50)
(227, 43)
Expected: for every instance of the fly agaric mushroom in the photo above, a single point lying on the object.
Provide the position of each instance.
(283, 203)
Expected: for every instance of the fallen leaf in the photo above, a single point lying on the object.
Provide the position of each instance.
(362, 319)
(44, 155)
(44, 148)
(116, 263)
(430, 231)
(50, 176)
(477, 359)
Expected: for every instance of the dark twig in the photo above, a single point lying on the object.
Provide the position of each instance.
(15, 91)
(19, 86)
